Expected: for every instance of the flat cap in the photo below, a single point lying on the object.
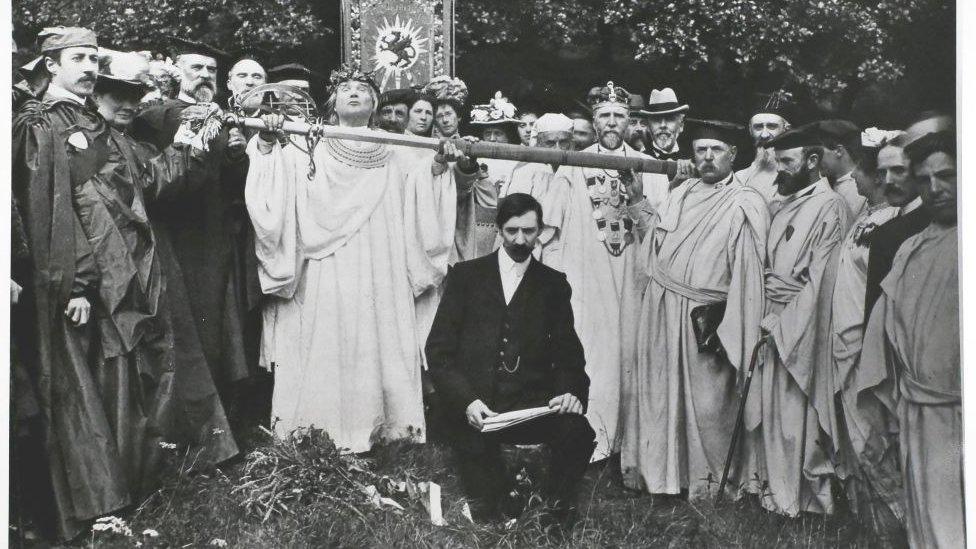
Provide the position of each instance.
(57, 38)
(803, 136)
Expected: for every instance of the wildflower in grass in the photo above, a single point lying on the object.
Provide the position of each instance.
(217, 542)
(150, 533)
(217, 431)
(112, 524)
(167, 445)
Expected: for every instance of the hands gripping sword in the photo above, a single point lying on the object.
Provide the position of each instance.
(278, 98)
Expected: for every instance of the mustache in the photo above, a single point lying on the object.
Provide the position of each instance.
(205, 84)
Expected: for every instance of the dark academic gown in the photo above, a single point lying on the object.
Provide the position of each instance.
(79, 442)
(209, 233)
(885, 241)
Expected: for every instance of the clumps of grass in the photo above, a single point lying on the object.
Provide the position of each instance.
(302, 470)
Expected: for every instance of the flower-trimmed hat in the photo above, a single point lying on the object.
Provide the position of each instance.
(498, 111)
(127, 69)
(447, 90)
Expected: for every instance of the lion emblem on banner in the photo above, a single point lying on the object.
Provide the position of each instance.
(398, 47)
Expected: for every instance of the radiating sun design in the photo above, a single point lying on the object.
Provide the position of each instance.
(398, 47)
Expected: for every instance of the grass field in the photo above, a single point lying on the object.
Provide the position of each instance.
(315, 500)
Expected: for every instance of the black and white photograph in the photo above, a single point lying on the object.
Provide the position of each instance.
(485, 273)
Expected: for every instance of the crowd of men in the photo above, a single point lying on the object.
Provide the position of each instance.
(165, 261)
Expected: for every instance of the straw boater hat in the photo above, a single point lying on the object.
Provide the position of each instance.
(497, 111)
(664, 102)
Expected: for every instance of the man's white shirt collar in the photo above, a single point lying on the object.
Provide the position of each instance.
(511, 273)
(911, 206)
(58, 92)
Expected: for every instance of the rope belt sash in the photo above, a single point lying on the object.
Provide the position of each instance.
(701, 295)
(781, 289)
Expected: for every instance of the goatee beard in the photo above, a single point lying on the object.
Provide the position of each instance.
(765, 158)
(204, 93)
(611, 140)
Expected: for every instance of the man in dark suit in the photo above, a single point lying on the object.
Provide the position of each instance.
(502, 340)
(900, 192)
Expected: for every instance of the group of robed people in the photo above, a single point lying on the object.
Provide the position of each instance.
(154, 243)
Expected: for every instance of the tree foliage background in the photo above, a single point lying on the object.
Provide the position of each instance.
(872, 60)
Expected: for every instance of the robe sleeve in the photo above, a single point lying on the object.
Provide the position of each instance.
(554, 211)
(176, 171)
(270, 196)
(875, 386)
(430, 214)
(801, 332)
(739, 330)
(86, 270)
(643, 214)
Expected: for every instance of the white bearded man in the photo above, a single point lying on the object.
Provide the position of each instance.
(343, 256)
(911, 358)
(794, 400)
(769, 119)
(599, 211)
(691, 320)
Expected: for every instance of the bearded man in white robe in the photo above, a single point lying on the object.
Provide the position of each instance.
(600, 211)
(791, 407)
(769, 119)
(699, 297)
(342, 254)
(911, 358)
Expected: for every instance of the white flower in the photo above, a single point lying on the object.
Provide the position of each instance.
(217, 431)
(874, 138)
(167, 445)
(150, 532)
(217, 542)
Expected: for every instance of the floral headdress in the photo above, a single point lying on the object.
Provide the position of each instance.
(498, 111)
(875, 139)
(445, 88)
(347, 73)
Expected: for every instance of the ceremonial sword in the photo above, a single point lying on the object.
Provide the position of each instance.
(270, 96)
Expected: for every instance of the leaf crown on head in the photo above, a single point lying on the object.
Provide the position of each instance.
(350, 73)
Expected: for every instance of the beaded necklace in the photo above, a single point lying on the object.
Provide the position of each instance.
(371, 157)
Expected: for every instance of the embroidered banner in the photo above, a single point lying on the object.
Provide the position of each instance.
(406, 42)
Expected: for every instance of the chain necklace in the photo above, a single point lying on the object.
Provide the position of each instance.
(375, 156)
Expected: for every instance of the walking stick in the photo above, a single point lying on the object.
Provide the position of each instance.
(740, 417)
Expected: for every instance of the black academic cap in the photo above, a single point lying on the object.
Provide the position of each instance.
(291, 71)
(393, 97)
(930, 143)
(837, 131)
(182, 46)
(716, 129)
(803, 136)
(779, 102)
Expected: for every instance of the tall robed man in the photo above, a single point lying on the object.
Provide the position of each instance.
(911, 357)
(207, 229)
(770, 118)
(702, 259)
(793, 393)
(596, 215)
(342, 259)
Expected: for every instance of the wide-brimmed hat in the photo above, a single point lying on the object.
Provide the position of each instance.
(497, 111)
(125, 68)
(663, 102)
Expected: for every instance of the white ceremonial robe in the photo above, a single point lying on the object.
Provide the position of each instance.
(846, 187)
(762, 179)
(791, 403)
(679, 404)
(341, 258)
(912, 339)
(596, 277)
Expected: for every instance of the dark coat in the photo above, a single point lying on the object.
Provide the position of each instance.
(474, 327)
(885, 241)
